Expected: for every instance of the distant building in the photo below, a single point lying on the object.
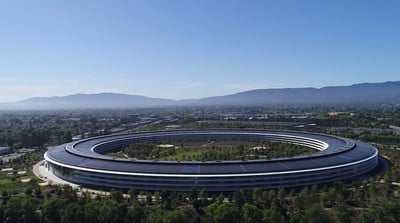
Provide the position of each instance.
(396, 129)
(340, 113)
(165, 146)
(5, 151)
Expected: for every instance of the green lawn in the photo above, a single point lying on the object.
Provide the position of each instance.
(118, 155)
(11, 183)
(184, 154)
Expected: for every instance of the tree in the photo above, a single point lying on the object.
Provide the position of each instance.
(2, 210)
(257, 196)
(372, 189)
(360, 196)
(111, 211)
(183, 214)
(239, 198)
(37, 192)
(13, 210)
(272, 215)
(366, 217)
(315, 214)
(92, 211)
(281, 196)
(68, 193)
(250, 213)
(193, 194)
(157, 197)
(211, 209)
(155, 215)
(164, 194)
(73, 213)
(149, 199)
(203, 197)
(132, 195)
(28, 191)
(305, 196)
(223, 213)
(116, 195)
(391, 212)
(342, 214)
(136, 213)
(298, 204)
(29, 207)
(53, 208)
(67, 137)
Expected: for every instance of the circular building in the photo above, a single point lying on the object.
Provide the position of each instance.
(336, 158)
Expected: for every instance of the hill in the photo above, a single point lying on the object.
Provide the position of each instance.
(366, 93)
(88, 101)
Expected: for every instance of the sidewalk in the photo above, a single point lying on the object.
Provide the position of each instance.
(40, 171)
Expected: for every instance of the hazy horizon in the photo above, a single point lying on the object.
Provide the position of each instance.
(193, 49)
(178, 99)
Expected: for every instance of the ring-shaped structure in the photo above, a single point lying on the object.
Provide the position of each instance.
(336, 158)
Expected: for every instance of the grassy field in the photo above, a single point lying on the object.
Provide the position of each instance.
(13, 183)
(184, 154)
(118, 155)
(211, 150)
(234, 153)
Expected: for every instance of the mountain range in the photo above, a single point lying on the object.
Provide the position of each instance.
(365, 93)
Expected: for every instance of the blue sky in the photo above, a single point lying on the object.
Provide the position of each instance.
(191, 49)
